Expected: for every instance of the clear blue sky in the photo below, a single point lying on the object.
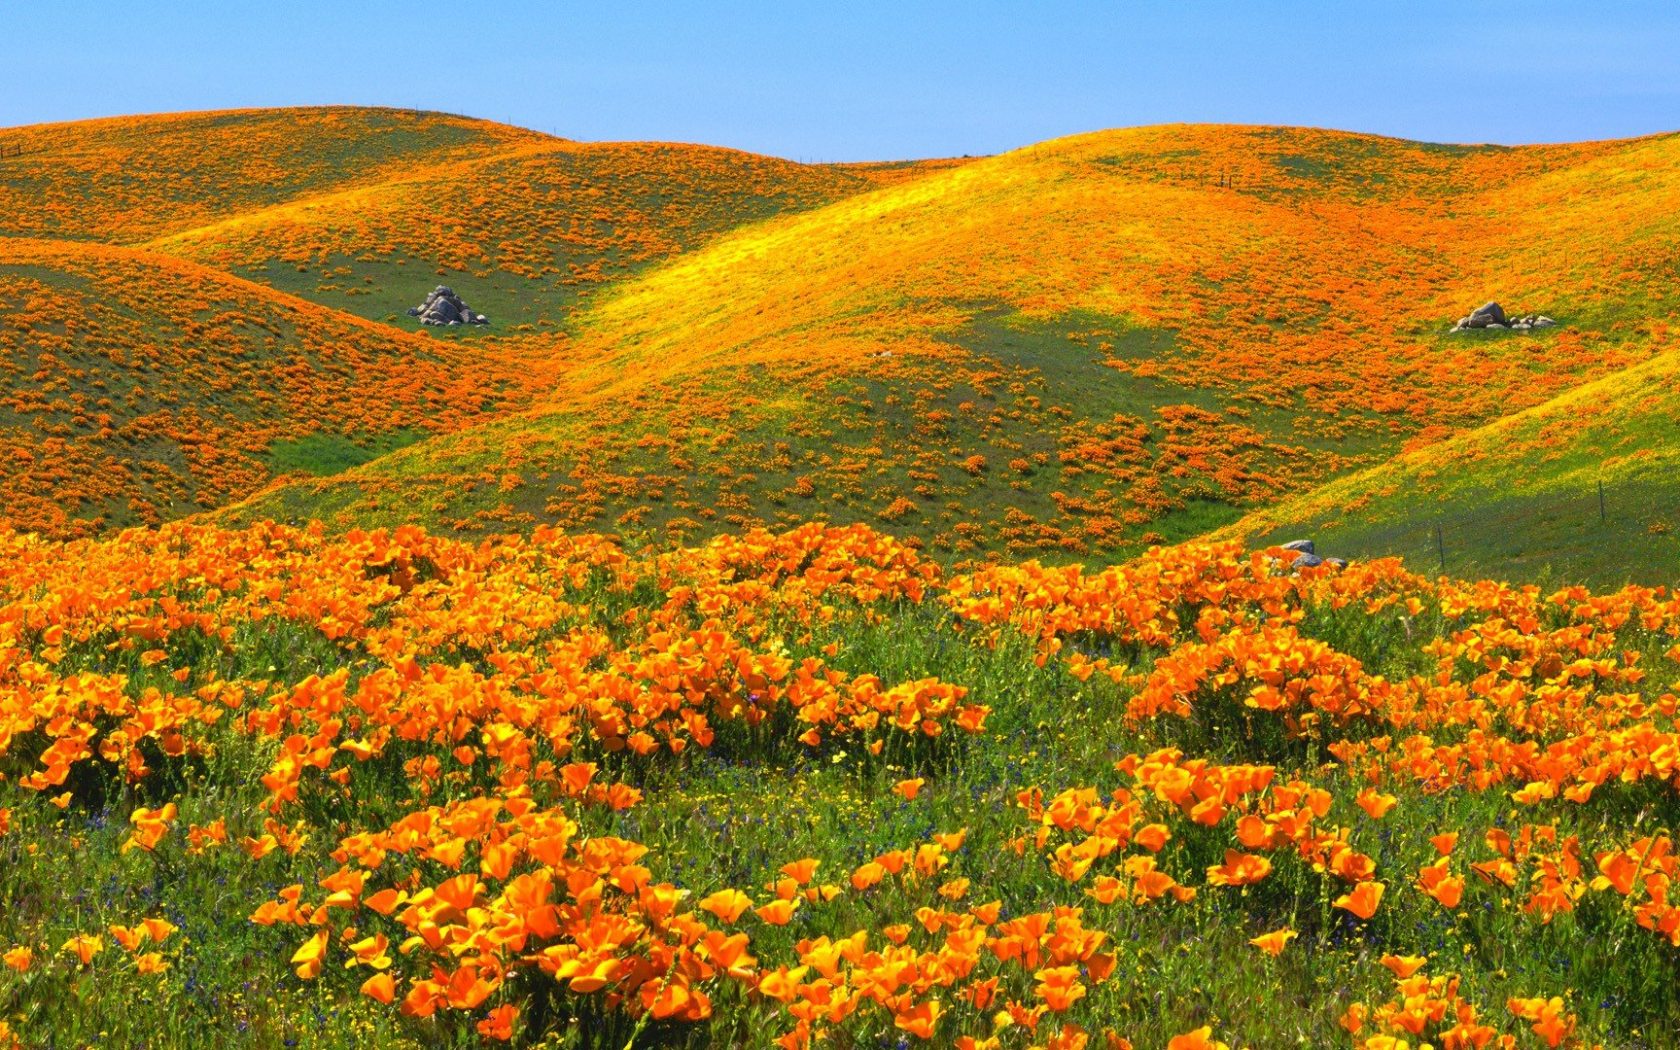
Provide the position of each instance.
(864, 79)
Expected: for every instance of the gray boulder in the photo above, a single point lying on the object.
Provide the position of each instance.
(1304, 546)
(442, 308)
(1307, 561)
(1493, 313)
(1543, 322)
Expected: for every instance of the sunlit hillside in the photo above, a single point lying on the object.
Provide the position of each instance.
(522, 235)
(128, 179)
(1584, 487)
(1085, 345)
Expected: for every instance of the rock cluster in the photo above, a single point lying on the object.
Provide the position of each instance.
(443, 307)
(1492, 315)
(1306, 556)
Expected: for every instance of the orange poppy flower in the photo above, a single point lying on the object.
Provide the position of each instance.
(1363, 900)
(381, 987)
(1273, 943)
(727, 904)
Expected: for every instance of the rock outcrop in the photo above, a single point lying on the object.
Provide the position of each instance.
(1307, 557)
(443, 307)
(1492, 315)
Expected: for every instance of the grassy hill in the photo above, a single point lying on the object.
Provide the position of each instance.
(1078, 349)
(185, 299)
(1522, 496)
(1086, 345)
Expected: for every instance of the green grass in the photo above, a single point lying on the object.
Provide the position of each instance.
(328, 453)
(383, 289)
(1556, 536)
(1520, 498)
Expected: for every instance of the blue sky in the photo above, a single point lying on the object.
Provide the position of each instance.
(862, 79)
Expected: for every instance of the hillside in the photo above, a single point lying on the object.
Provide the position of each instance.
(835, 605)
(1086, 345)
(198, 319)
(1522, 496)
(522, 235)
(135, 387)
(127, 179)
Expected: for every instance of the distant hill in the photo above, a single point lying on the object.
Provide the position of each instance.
(1082, 346)
(127, 179)
(139, 384)
(1074, 350)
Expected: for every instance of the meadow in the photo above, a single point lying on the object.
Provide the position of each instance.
(275, 787)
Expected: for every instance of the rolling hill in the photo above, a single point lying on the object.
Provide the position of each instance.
(124, 180)
(1079, 348)
(145, 377)
(522, 235)
(1086, 345)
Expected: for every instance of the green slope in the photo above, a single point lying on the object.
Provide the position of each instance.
(1585, 487)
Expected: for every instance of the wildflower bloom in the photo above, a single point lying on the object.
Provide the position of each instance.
(1362, 900)
(1273, 943)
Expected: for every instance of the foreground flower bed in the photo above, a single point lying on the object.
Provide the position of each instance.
(812, 789)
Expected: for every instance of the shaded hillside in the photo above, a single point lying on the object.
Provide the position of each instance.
(136, 387)
(1084, 345)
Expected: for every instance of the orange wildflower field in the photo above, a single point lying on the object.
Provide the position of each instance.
(828, 605)
(811, 789)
